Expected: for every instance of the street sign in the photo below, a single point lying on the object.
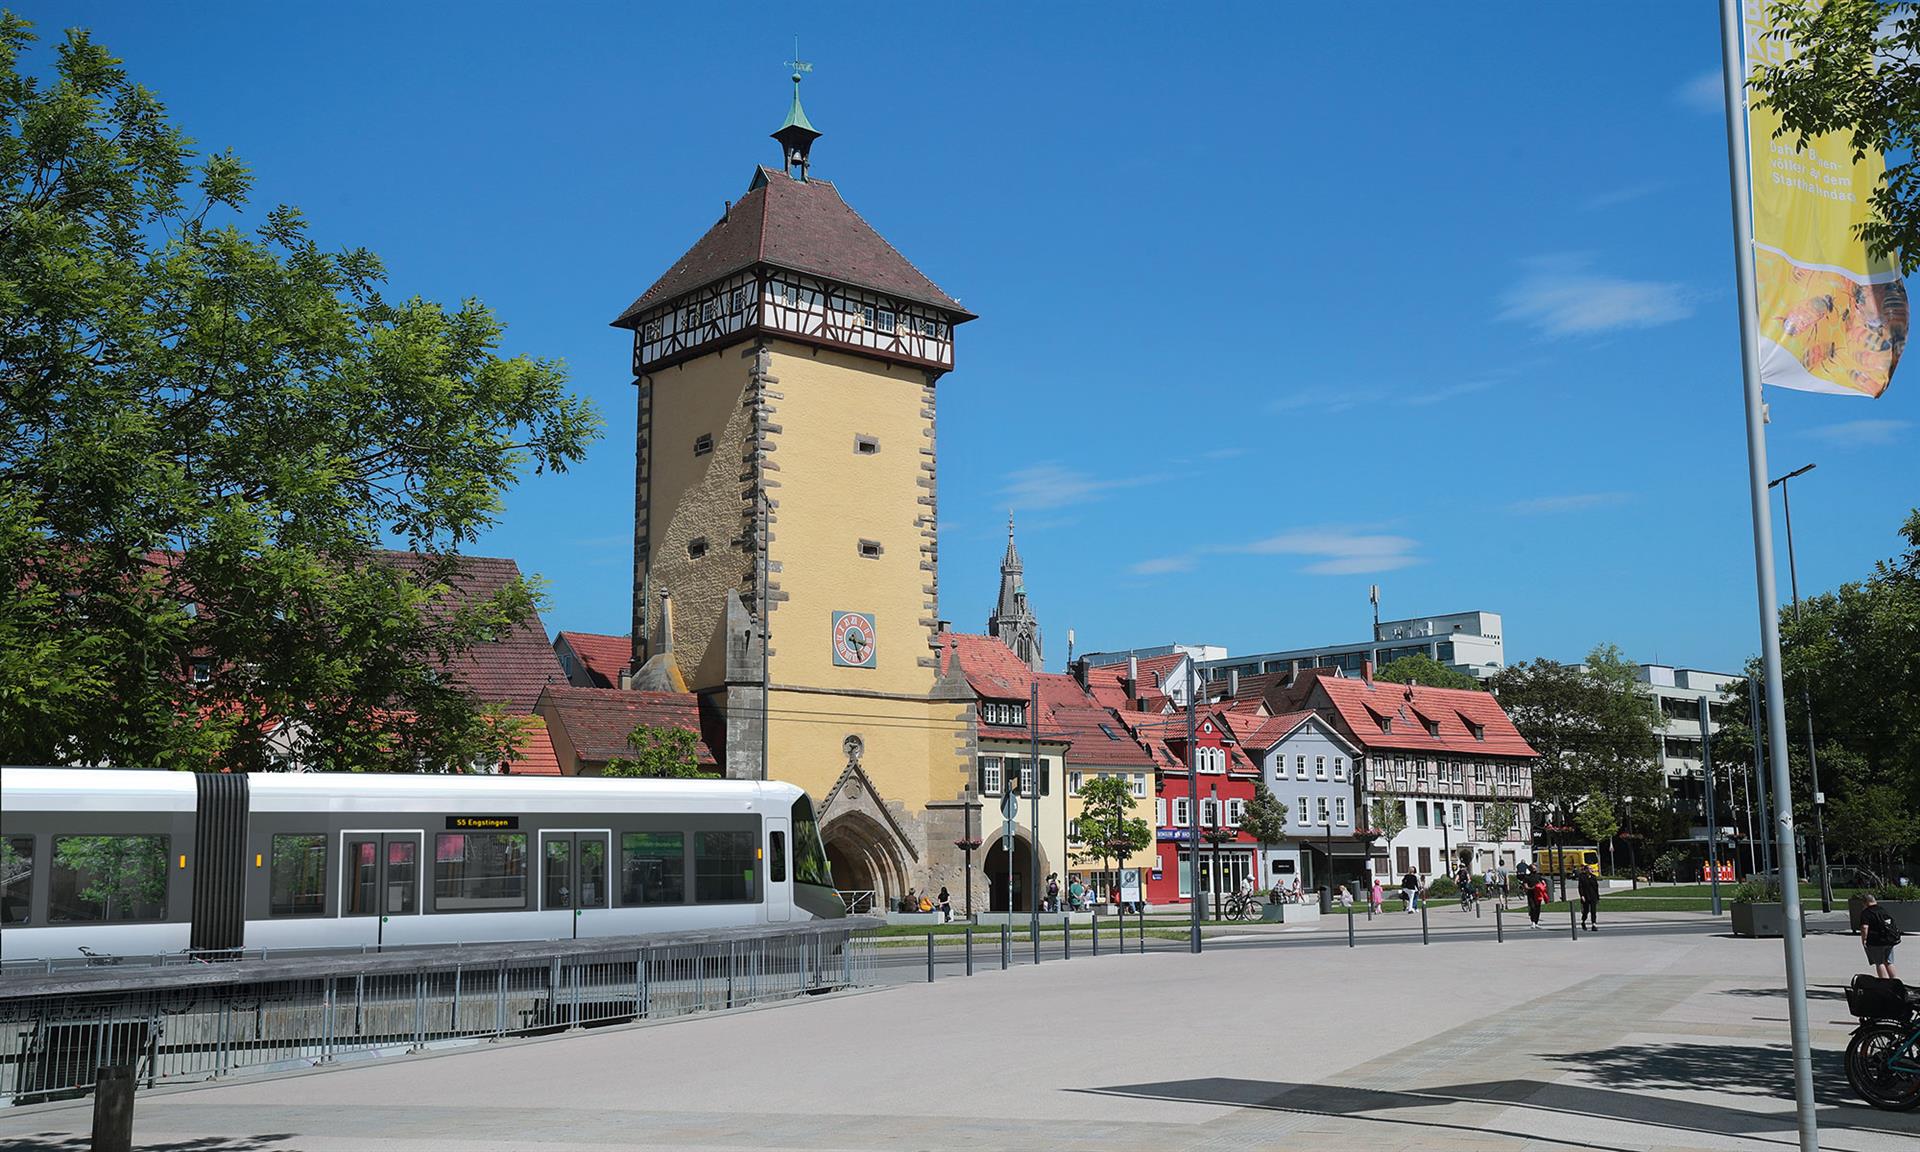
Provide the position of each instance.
(1010, 806)
(1130, 885)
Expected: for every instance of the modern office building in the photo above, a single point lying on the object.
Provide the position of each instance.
(1677, 692)
(1467, 642)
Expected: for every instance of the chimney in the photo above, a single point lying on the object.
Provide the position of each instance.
(1079, 670)
(1233, 683)
(1366, 672)
(1133, 678)
(666, 622)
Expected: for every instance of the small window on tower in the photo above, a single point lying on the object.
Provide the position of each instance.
(703, 445)
(696, 547)
(864, 317)
(739, 299)
(652, 331)
(706, 312)
(870, 549)
(866, 445)
(884, 320)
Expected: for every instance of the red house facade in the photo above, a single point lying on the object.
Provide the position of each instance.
(1222, 783)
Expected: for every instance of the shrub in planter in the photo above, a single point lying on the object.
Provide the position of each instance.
(1754, 890)
(1442, 888)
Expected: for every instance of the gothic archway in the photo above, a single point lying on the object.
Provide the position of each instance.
(864, 858)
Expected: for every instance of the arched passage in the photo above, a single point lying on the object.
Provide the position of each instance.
(864, 859)
(998, 879)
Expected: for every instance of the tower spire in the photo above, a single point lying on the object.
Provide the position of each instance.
(1013, 620)
(796, 134)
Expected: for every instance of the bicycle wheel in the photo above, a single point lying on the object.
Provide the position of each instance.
(1868, 1055)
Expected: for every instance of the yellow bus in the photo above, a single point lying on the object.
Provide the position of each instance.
(1566, 861)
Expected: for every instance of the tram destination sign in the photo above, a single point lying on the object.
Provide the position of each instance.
(481, 823)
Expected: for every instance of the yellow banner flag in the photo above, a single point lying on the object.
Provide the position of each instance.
(1832, 317)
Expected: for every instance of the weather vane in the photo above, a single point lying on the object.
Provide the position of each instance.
(800, 67)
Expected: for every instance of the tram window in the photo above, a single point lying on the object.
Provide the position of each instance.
(722, 866)
(297, 876)
(809, 857)
(479, 871)
(402, 870)
(653, 868)
(593, 871)
(16, 879)
(777, 851)
(108, 878)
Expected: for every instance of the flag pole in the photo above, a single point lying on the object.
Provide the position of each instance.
(1733, 75)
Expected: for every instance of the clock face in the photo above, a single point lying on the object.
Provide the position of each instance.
(853, 640)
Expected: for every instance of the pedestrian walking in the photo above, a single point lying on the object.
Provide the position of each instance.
(946, 906)
(1500, 885)
(1076, 894)
(1053, 891)
(1409, 891)
(1589, 899)
(1879, 935)
(1379, 897)
(1536, 898)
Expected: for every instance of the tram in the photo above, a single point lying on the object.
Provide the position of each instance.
(127, 862)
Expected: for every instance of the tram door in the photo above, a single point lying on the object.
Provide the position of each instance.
(779, 884)
(573, 874)
(382, 877)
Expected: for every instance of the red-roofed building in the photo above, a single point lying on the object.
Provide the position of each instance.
(534, 757)
(1098, 745)
(594, 660)
(590, 726)
(1152, 684)
(509, 670)
(1447, 755)
(1223, 781)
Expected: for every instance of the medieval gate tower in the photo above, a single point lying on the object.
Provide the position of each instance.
(785, 535)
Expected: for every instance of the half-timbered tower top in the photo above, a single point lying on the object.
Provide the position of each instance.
(791, 259)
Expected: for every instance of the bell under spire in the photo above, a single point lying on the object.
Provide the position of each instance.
(796, 133)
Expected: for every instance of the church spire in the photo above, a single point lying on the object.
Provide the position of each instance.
(796, 133)
(1013, 620)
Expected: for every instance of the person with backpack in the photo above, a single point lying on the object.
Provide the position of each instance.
(1409, 892)
(1879, 934)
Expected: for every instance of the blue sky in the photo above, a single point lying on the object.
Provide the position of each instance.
(1276, 301)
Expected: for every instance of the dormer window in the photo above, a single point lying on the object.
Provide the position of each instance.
(1433, 726)
(1003, 715)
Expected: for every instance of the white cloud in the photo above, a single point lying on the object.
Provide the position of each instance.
(1704, 93)
(1614, 197)
(1577, 502)
(1053, 485)
(1162, 565)
(1328, 399)
(1561, 298)
(1861, 433)
(1447, 392)
(1342, 551)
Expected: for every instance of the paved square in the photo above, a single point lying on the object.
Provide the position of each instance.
(1617, 1042)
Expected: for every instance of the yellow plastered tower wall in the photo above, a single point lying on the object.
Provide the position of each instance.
(785, 538)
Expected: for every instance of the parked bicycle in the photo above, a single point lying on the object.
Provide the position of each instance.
(1883, 1058)
(1242, 906)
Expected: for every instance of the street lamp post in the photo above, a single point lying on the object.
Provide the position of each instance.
(1806, 699)
(1213, 838)
(967, 843)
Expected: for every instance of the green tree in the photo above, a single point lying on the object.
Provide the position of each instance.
(1597, 821)
(1388, 816)
(1854, 67)
(1874, 825)
(1593, 728)
(1421, 668)
(1265, 817)
(1104, 830)
(212, 426)
(1498, 820)
(660, 754)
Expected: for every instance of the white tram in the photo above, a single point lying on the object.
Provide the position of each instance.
(145, 863)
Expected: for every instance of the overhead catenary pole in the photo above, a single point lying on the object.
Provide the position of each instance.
(1760, 774)
(1806, 700)
(1033, 850)
(1733, 78)
(1193, 810)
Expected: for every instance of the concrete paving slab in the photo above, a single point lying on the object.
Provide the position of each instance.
(1624, 1042)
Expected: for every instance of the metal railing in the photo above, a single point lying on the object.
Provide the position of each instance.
(859, 901)
(53, 1045)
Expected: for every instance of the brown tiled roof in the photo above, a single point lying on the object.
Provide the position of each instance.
(800, 225)
(995, 673)
(604, 657)
(597, 721)
(1096, 735)
(536, 752)
(509, 671)
(1358, 706)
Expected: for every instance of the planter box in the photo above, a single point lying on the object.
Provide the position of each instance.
(1290, 914)
(1905, 913)
(1759, 921)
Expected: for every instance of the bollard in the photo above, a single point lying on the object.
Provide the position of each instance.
(1573, 926)
(969, 949)
(1036, 939)
(1006, 947)
(1499, 924)
(113, 1109)
(1476, 909)
(929, 957)
(1096, 933)
(1066, 937)
(1122, 921)
(1423, 924)
(1140, 928)
(1349, 929)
